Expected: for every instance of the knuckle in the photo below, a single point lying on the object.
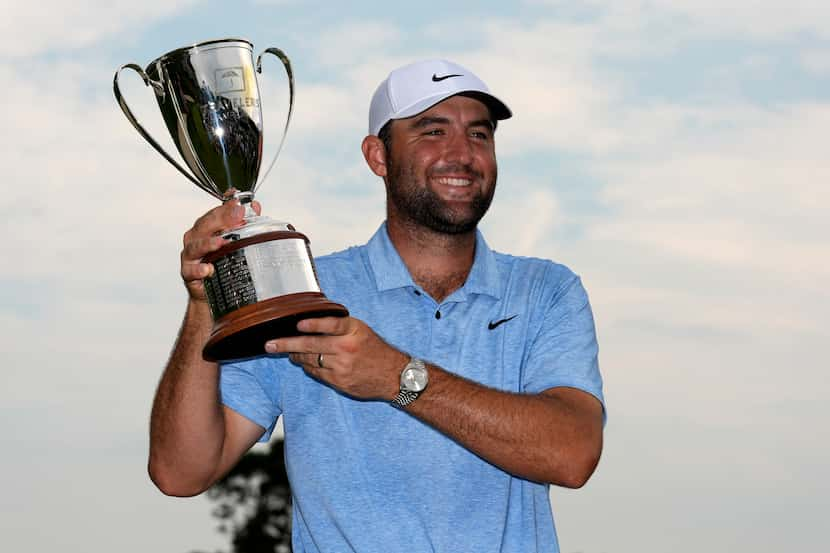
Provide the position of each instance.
(211, 221)
(349, 346)
(190, 273)
(189, 253)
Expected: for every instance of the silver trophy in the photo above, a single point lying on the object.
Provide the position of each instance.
(264, 281)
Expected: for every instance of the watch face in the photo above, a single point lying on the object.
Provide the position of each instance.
(414, 379)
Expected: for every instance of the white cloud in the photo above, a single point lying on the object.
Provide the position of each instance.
(816, 61)
(31, 28)
(751, 18)
(734, 191)
(351, 42)
(524, 216)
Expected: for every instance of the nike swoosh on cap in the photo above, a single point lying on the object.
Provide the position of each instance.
(438, 79)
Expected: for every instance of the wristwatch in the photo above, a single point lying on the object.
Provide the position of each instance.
(414, 380)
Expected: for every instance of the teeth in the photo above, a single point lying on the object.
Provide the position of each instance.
(449, 181)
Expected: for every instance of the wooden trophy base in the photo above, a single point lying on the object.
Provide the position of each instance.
(243, 332)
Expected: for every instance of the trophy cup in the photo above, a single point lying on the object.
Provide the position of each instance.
(264, 280)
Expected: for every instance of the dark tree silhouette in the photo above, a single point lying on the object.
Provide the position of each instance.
(253, 503)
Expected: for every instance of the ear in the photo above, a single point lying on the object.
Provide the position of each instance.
(374, 152)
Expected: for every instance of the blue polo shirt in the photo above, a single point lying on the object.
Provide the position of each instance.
(367, 477)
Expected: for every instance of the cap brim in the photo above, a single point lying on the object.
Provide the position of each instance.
(498, 109)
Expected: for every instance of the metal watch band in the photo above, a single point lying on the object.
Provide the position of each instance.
(404, 398)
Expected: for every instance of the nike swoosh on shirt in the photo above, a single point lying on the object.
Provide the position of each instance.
(491, 325)
(438, 79)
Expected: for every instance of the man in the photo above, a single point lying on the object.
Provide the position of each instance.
(464, 382)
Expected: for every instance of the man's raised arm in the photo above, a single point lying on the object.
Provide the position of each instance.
(194, 440)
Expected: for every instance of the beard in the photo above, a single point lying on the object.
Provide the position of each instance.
(419, 205)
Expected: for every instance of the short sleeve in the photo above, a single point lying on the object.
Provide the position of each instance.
(252, 389)
(564, 351)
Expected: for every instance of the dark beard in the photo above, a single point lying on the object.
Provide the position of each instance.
(423, 207)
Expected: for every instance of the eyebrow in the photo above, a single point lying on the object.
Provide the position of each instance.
(483, 123)
(427, 121)
(422, 122)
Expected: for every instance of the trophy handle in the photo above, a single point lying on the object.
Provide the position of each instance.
(287, 64)
(159, 89)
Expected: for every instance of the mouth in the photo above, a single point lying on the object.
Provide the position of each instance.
(456, 182)
(455, 189)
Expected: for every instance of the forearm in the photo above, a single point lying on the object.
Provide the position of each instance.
(187, 423)
(554, 437)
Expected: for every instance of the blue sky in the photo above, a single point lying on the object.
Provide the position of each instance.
(673, 153)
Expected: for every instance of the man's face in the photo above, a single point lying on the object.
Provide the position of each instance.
(441, 167)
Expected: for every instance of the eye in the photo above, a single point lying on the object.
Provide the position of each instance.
(434, 132)
(480, 135)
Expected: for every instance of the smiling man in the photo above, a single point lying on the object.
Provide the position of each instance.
(463, 384)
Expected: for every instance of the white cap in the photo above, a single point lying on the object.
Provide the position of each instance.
(414, 88)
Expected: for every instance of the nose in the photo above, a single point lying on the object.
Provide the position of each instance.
(459, 149)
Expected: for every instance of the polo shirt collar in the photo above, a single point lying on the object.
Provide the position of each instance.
(388, 267)
(390, 272)
(484, 277)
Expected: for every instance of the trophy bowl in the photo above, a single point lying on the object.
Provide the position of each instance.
(264, 280)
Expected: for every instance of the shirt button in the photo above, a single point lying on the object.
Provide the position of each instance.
(437, 314)
(417, 292)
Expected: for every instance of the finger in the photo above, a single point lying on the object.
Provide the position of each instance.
(204, 237)
(334, 326)
(196, 248)
(257, 207)
(227, 216)
(300, 344)
(310, 361)
(313, 371)
(196, 271)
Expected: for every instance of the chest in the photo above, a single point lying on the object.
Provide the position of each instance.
(481, 338)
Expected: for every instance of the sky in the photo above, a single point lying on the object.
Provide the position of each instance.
(671, 152)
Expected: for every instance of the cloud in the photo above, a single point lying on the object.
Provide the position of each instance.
(349, 43)
(748, 18)
(731, 195)
(816, 61)
(32, 28)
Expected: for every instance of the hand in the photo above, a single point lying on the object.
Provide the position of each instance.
(205, 237)
(356, 361)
